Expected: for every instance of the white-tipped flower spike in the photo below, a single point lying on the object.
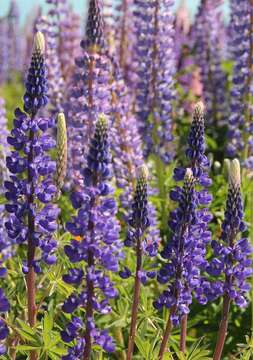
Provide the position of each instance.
(62, 151)
(234, 174)
(217, 167)
(226, 167)
(102, 119)
(142, 172)
(188, 174)
(199, 110)
(39, 43)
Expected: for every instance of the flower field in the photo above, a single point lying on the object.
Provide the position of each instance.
(126, 181)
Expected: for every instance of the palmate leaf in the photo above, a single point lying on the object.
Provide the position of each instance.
(197, 351)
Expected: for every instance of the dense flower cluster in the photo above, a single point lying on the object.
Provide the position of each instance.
(30, 190)
(185, 252)
(50, 27)
(206, 36)
(69, 40)
(96, 242)
(5, 242)
(232, 254)
(240, 109)
(90, 93)
(128, 157)
(154, 67)
(36, 83)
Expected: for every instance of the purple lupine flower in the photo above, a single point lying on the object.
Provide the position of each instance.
(4, 50)
(154, 66)
(69, 41)
(232, 253)
(36, 83)
(189, 229)
(139, 219)
(128, 157)
(30, 190)
(182, 30)
(206, 34)
(185, 252)
(50, 27)
(14, 40)
(195, 152)
(240, 108)
(136, 237)
(120, 28)
(5, 243)
(90, 93)
(232, 256)
(99, 245)
(4, 331)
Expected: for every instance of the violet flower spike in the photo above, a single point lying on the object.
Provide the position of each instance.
(138, 222)
(90, 92)
(97, 230)
(232, 256)
(154, 68)
(5, 242)
(30, 190)
(196, 234)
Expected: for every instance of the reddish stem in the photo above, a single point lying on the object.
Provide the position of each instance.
(30, 277)
(166, 334)
(89, 309)
(137, 290)
(183, 333)
(222, 333)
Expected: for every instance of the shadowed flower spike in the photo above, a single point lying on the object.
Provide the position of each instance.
(62, 151)
(138, 222)
(185, 254)
(232, 256)
(99, 246)
(36, 83)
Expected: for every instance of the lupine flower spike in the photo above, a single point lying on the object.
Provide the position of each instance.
(30, 190)
(199, 235)
(90, 93)
(139, 222)
(177, 296)
(62, 152)
(232, 255)
(98, 246)
(5, 243)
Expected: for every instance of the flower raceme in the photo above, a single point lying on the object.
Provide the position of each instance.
(31, 184)
(30, 190)
(99, 247)
(90, 92)
(182, 272)
(232, 256)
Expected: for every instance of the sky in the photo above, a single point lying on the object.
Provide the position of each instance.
(79, 5)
